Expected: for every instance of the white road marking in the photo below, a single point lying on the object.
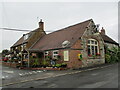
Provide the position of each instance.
(3, 77)
(8, 71)
(94, 74)
(30, 72)
(44, 70)
(34, 72)
(52, 85)
(21, 74)
(26, 73)
(6, 76)
(39, 71)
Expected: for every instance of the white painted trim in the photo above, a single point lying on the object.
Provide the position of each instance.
(55, 54)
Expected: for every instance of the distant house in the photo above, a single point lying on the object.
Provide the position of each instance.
(79, 45)
(109, 42)
(20, 48)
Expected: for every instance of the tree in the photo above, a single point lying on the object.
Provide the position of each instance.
(5, 52)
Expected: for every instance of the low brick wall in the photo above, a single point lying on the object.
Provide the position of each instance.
(10, 64)
(16, 64)
(45, 68)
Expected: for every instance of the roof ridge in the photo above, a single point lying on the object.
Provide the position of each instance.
(63, 29)
(56, 37)
(70, 26)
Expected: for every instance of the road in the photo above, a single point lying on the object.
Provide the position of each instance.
(8, 73)
(104, 77)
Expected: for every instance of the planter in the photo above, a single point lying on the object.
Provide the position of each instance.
(14, 65)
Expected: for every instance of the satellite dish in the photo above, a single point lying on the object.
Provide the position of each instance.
(65, 43)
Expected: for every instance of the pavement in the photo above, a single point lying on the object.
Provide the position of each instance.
(26, 78)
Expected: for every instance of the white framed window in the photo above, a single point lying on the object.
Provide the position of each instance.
(66, 55)
(24, 45)
(26, 36)
(21, 47)
(46, 53)
(55, 53)
(93, 48)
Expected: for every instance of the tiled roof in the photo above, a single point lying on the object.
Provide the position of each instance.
(21, 40)
(107, 39)
(54, 40)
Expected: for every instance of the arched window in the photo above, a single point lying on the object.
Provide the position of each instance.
(93, 48)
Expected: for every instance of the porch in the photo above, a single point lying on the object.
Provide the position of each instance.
(39, 60)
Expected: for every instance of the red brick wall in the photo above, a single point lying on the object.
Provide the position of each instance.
(74, 61)
(77, 45)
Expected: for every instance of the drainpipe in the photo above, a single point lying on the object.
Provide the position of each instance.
(28, 59)
(22, 55)
(21, 51)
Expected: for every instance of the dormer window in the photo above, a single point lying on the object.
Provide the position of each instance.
(26, 36)
(65, 43)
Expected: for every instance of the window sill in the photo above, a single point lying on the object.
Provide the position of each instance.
(97, 57)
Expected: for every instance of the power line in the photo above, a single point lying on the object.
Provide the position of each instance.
(10, 29)
(25, 30)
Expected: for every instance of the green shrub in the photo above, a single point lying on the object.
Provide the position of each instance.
(45, 63)
(107, 58)
(112, 55)
(64, 65)
(48, 57)
(61, 65)
(36, 62)
(58, 65)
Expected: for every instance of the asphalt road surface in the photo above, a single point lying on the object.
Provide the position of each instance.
(8, 73)
(106, 77)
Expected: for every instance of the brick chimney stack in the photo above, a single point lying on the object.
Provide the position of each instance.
(41, 24)
(102, 31)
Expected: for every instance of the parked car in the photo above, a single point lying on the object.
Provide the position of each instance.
(5, 59)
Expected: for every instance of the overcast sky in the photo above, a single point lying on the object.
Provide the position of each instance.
(56, 15)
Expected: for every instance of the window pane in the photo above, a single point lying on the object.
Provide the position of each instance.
(92, 47)
(92, 42)
(56, 52)
(96, 49)
(88, 41)
(89, 50)
(46, 53)
(95, 42)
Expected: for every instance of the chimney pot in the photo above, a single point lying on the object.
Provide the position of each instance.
(102, 31)
(41, 24)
